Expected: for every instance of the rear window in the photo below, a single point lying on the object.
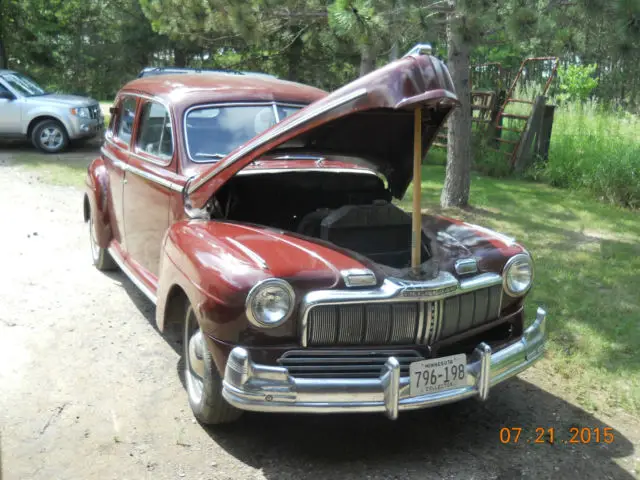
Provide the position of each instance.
(213, 132)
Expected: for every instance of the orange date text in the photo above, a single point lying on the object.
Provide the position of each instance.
(572, 435)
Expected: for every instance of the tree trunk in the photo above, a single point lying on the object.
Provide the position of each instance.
(457, 180)
(179, 57)
(293, 59)
(4, 61)
(367, 59)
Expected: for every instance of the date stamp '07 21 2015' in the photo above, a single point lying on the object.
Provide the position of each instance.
(551, 435)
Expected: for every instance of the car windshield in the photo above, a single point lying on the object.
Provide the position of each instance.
(213, 132)
(23, 85)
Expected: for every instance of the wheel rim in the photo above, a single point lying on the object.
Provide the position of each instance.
(194, 358)
(51, 138)
(95, 248)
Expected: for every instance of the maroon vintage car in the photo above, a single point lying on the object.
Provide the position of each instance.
(257, 214)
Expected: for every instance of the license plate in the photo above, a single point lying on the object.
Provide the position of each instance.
(429, 376)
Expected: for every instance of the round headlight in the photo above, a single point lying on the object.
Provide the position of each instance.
(518, 275)
(270, 303)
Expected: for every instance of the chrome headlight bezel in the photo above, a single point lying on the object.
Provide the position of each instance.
(512, 263)
(260, 287)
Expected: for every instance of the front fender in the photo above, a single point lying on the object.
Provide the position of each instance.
(216, 264)
(46, 111)
(96, 192)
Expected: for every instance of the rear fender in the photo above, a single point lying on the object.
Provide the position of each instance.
(97, 194)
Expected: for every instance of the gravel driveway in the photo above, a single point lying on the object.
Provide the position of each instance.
(90, 390)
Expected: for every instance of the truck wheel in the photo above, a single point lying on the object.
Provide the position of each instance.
(101, 258)
(50, 136)
(204, 385)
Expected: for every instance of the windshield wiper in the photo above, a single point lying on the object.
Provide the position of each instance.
(210, 155)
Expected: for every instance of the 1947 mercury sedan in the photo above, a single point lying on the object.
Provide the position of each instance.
(257, 214)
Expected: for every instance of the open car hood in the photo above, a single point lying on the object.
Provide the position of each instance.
(370, 118)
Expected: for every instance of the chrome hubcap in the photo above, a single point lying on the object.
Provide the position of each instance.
(194, 358)
(51, 137)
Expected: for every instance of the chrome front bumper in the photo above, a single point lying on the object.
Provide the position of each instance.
(265, 388)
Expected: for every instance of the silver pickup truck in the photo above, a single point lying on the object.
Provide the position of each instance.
(49, 120)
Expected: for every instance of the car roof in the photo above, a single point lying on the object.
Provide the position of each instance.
(5, 72)
(186, 89)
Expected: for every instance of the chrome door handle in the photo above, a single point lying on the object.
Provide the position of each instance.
(124, 181)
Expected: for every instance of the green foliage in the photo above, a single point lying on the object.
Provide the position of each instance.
(577, 82)
(596, 150)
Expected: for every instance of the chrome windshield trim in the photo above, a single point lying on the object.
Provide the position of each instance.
(393, 290)
(278, 129)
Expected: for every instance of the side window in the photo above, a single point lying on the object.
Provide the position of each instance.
(3, 88)
(155, 134)
(126, 117)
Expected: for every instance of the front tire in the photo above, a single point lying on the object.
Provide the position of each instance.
(204, 385)
(50, 136)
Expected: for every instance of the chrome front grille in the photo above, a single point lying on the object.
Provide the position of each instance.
(344, 363)
(363, 324)
(401, 323)
(470, 310)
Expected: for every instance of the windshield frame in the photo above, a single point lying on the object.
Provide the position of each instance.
(24, 78)
(274, 106)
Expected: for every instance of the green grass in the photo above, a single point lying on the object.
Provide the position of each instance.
(596, 150)
(587, 258)
(63, 169)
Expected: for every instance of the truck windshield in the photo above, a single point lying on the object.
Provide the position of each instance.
(213, 132)
(23, 85)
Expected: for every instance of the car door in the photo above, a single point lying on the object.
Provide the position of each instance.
(115, 154)
(148, 188)
(10, 112)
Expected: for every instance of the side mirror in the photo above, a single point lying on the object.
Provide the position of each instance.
(6, 95)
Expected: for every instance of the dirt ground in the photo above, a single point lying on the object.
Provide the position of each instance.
(89, 389)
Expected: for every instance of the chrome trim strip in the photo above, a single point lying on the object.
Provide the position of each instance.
(273, 133)
(141, 173)
(155, 178)
(119, 164)
(425, 337)
(419, 333)
(311, 169)
(251, 386)
(111, 142)
(125, 269)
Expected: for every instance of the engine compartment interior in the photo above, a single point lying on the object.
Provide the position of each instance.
(350, 210)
